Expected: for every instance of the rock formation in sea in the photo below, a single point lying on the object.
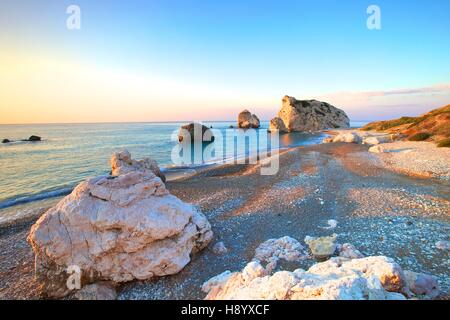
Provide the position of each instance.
(277, 124)
(195, 132)
(247, 120)
(116, 228)
(34, 138)
(349, 276)
(308, 115)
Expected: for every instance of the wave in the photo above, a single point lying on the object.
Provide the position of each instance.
(35, 197)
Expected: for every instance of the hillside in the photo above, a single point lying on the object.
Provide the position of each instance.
(431, 126)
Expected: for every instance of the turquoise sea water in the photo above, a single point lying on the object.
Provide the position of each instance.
(69, 153)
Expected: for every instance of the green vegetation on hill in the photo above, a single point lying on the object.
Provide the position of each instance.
(421, 136)
(434, 124)
(444, 143)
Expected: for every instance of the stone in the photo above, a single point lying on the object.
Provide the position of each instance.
(327, 140)
(376, 149)
(322, 247)
(348, 137)
(247, 120)
(277, 125)
(121, 163)
(335, 279)
(34, 138)
(422, 284)
(349, 251)
(195, 132)
(332, 224)
(375, 140)
(309, 115)
(285, 248)
(442, 245)
(97, 291)
(116, 228)
(219, 248)
(6, 141)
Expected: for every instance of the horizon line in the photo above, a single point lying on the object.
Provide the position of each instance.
(135, 122)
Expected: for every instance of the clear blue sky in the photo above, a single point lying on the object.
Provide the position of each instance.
(255, 50)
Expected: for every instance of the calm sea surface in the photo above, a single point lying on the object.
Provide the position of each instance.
(69, 153)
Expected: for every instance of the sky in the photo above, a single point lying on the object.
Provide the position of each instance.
(170, 60)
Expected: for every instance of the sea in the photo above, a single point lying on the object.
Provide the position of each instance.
(70, 153)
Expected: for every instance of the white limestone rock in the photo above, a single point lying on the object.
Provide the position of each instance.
(116, 228)
(336, 279)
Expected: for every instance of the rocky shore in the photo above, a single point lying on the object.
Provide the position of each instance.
(337, 190)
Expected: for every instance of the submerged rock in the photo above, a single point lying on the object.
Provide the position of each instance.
(116, 228)
(34, 138)
(322, 247)
(309, 115)
(247, 120)
(195, 132)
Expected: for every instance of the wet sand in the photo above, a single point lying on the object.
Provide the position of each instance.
(379, 211)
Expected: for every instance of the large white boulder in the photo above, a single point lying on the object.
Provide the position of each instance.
(116, 228)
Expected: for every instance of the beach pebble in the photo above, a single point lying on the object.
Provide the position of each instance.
(219, 248)
(331, 224)
(322, 247)
(443, 245)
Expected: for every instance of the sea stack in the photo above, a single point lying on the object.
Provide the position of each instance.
(247, 120)
(308, 115)
(195, 132)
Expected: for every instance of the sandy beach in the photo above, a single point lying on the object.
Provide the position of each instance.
(380, 210)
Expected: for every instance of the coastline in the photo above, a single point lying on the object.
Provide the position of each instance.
(380, 211)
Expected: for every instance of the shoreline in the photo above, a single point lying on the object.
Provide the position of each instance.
(379, 211)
